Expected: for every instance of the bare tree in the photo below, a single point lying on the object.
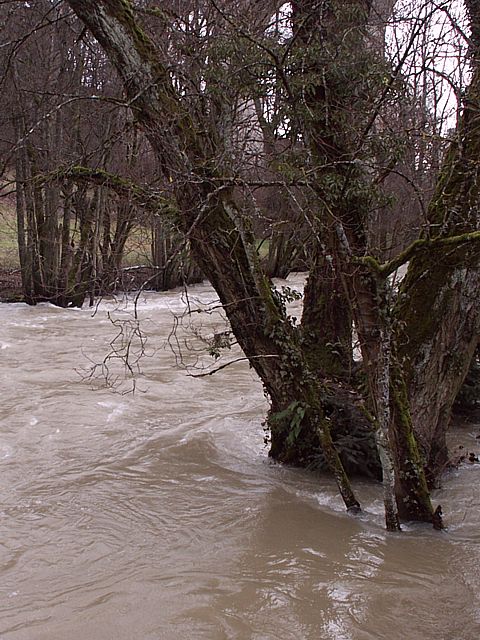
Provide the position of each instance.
(69, 140)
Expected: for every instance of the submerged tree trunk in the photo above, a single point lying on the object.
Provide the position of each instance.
(222, 247)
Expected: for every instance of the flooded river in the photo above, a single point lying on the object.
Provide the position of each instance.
(158, 516)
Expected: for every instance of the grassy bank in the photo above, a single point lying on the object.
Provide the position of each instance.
(8, 235)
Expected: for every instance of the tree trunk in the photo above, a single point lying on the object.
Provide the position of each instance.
(342, 51)
(438, 309)
(66, 250)
(327, 320)
(25, 256)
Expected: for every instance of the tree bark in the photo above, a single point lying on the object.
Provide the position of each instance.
(327, 319)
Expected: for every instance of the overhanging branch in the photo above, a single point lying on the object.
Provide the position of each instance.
(414, 249)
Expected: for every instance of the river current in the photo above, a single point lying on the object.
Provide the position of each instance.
(157, 515)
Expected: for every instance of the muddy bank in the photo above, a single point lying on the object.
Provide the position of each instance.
(131, 279)
(10, 285)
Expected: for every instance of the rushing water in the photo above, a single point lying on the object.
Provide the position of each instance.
(157, 515)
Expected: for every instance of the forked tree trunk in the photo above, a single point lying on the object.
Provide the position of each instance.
(437, 316)
(334, 45)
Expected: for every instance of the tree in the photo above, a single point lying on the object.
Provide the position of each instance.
(410, 381)
(192, 131)
(437, 348)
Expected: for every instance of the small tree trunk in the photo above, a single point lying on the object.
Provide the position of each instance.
(66, 250)
(382, 412)
(25, 256)
(413, 497)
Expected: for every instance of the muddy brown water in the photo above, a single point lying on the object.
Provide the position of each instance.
(157, 515)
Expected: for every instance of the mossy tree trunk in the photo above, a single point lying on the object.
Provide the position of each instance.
(327, 320)
(437, 315)
(334, 56)
(438, 309)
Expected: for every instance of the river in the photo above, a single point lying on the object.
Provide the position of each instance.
(156, 515)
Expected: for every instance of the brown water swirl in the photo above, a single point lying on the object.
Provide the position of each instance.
(157, 515)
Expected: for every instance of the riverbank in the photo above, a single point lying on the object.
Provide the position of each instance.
(10, 285)
(133, 278)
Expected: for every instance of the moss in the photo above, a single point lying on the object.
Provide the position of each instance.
(413, 495)
(123, 11)
(424, 296)
(419, 247)
(326, 322)
(452, 214)
(325, 357)
(371, 262)
(146, 198)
